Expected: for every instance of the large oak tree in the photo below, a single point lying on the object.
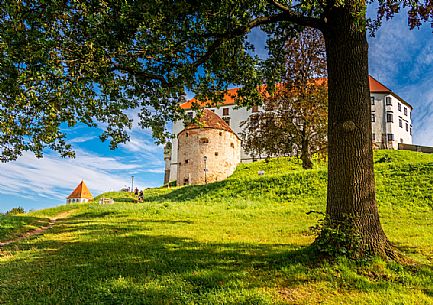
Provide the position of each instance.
(69, 61)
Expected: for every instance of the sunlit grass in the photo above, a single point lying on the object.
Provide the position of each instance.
(241, 241)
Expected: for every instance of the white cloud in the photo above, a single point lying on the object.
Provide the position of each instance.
(50, 176)
(393, 46)
(82, 139)
(155, 170)
(140, 142)
(421, 96)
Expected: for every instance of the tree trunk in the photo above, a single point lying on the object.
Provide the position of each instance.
(305, 150)
(351, 201)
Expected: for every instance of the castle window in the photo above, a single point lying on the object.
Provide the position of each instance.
(405, 111)
(226, 111)
(216, 154)
(390, 137)
(373, 137)
(407, 126)
(190, 114)
(186, 135)
(388, 101)
(186, 161)
(373, 117)
(221, 133)
(372, 100)
(227, 120)
(204, 140)
(232, 145)
(186, 181)
(389, 118)
(400, 122)
(399, 107)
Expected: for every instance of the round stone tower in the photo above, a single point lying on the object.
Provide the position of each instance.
(208, 151)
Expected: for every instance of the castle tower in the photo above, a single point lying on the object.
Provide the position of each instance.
(208, 151)
(80, 194)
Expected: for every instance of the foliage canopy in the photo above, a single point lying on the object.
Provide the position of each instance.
(68, 62)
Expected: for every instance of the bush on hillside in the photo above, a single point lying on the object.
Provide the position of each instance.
(16, 211)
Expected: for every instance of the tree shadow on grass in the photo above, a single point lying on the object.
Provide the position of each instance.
(12, 226)
(131, 266)
(135, 266)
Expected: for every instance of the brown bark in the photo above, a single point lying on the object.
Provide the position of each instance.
(305, 150)
(351, 187)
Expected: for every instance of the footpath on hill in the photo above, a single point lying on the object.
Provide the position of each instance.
(37, 231)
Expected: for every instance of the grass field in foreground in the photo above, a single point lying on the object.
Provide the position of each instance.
(240, 241)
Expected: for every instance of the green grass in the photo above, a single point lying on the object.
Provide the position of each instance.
(241, 241)
(12, 226)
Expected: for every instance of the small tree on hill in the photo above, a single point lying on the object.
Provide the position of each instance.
(294, 118)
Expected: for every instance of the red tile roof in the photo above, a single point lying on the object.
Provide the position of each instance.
(228, 100)
(210, 120)
(376, 86)
(229, 97)
(81, 191)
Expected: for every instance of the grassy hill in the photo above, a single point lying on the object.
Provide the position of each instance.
(240, 241)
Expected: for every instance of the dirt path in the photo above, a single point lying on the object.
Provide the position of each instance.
(37, 231)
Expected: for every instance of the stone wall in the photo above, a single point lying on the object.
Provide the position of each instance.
(418, 148)
(221, 149)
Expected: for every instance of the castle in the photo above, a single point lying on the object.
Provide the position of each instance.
(185, 157)
(208, 150)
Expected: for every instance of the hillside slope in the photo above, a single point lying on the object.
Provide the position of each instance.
(240, 241)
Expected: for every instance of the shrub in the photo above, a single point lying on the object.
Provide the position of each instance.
(16, 211)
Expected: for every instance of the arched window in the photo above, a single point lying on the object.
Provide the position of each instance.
(204, 140)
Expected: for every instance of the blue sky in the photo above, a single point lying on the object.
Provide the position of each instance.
(399, 58)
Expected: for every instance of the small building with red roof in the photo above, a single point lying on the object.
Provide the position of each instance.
(80, 194)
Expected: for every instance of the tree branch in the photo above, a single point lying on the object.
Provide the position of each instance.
(292, 16)
(287, 15)
(142, 74)
(279, 6)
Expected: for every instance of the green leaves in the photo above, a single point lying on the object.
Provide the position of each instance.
(86, 61)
